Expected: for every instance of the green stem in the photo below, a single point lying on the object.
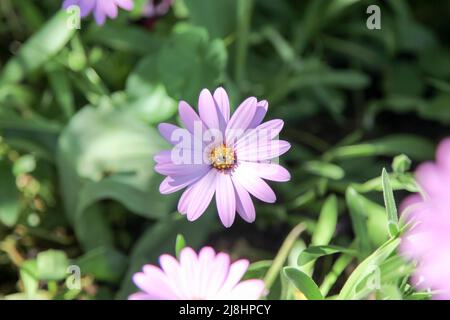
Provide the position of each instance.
(282, 254)
(244, 14)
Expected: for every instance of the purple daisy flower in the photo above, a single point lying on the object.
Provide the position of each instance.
(101, 8)
(228, 156)
(204, 276)
(428, 241)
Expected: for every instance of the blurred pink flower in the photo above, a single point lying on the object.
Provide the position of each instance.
(428, 240)
(206, 276)
(100, 8)
(222, 155)
(156, 8)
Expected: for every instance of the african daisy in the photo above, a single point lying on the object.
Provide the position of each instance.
(428, 240)
(222, 155)
(206, 276)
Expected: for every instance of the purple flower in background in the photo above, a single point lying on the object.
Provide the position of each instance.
(428, 240)
(206, 276)
(222, 155)
(100, 8)
(156, 8)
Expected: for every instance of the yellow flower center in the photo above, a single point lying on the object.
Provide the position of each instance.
(222, 157)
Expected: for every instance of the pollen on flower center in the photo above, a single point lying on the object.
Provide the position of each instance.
(222, 157)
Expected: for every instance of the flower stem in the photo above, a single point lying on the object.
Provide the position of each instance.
(282, 254)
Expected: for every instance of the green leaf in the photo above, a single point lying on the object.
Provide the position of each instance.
(323, 169)
(9, 196)
(327, 222)
(389, 203)
(52, 265)
(358, 216)
(401, 164)
(180, 243)
(148, 98)
(29, 278)
(356, 285)
(104, 263)
(42, 46)
(218, 17)
(303, 282)
(315, 252)
(108, 153)
(190, 61)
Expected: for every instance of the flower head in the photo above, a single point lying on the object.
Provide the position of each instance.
(206, 276)
(428, 240)
(100, 8)
(222, 155)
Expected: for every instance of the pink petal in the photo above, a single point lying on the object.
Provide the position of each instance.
(170, 169)
(202, 192)
(189, 269)
(189, 117)
(141, 296)
(260, 112)
(235, 274)
(216, 275)
(154, 282)
(185, 200)
(244, 203)
(125, 4)
(207, 109)
(172, 269)
(265, 150)
(430, 178)
(443, 154)
(263, 133)
(164, 156)
(86, 7)
(174, 183)
(206, 258)
(254, 184)
(240, 120)
(269, 171)
(225, 199)
(221, 98)
(108, 7)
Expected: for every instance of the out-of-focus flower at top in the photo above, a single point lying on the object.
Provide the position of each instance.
(156, 8)
(101, 8)
(428, 240)
(228, 156)
(206, 276)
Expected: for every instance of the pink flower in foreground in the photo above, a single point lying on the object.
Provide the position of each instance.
(206, 276)
(100, 8)
(156, 8)
(428, 240)
(228, 156)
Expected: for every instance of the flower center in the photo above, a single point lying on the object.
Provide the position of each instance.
(222, 157)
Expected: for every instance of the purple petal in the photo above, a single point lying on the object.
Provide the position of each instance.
(244, 203)
(221, 98)
(264, 132)
(254, 184)
(268, 171)
(260, 112)
(154, 282)
(125, 4)
(185, 200)
(263, 151)
(207, 109)
(108, 7)
(164, 156)
(201, 193)
(240, 120)
(170, 169)
(225, 199)
(443, 154)
(173, 184)
(189, 117)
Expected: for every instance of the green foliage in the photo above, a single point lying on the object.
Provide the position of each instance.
(79, 111)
